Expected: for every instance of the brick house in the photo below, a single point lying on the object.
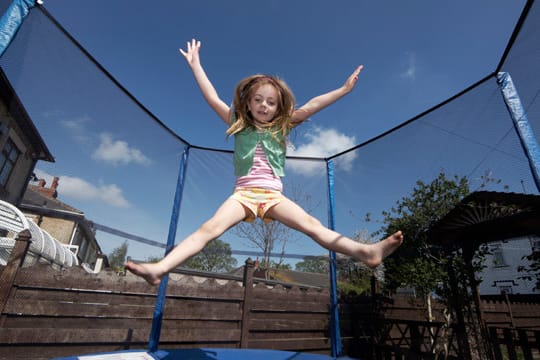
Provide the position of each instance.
(65, 223)
(21, 145)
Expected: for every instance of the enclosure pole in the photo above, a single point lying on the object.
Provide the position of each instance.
(334, 311)
(12, 20)
(155, 333)
(521, 123)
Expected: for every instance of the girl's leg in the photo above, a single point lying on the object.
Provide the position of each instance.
(229, 214)
(295, 217)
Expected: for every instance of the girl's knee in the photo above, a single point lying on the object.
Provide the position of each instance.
(211, 229)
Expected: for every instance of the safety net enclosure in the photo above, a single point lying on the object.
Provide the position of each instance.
(125, 167)
(114, 153)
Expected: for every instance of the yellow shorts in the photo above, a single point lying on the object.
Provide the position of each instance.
(257, 201)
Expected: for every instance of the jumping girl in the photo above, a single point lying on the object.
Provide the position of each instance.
(262, 116)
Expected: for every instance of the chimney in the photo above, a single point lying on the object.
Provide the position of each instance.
(47, 191)
(54, 184)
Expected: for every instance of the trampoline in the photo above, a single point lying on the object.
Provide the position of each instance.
(203, 354)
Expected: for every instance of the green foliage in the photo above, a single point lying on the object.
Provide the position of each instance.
(357, 277)
(152, 259)
(215, 257)
(532, 272)
(276, 265)
(417, 263)
(347, 288)
(313, 264)
(117, 257)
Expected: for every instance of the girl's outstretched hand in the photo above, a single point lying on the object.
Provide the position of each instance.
(192, 52)
(352, 79)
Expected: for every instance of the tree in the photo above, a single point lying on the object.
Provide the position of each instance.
(313, 264)
(215, 257)
(414, 215)
(278, 266)
(416, 263)
(449, 273)
(264, 236)
(117, 257)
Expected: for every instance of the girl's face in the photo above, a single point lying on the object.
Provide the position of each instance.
(263, 105)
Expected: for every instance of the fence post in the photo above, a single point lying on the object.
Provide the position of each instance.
(417, 339)
(495, 343)
(523, 339)
(510, 345)
(537, 339)
(246, 306)
(15, 261)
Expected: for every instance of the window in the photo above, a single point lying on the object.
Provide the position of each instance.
(8, 158)
(498, 256)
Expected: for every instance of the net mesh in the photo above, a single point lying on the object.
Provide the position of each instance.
(119, 164)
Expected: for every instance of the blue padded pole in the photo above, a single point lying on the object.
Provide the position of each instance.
(521, 123)
(12, 20)
(153, 342)
(334, 313)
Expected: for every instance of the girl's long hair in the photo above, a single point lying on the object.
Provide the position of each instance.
(245, 90)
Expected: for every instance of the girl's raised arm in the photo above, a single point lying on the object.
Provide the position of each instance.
(209, 92)
(320, 102)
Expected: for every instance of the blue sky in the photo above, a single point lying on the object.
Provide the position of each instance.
(415, 55)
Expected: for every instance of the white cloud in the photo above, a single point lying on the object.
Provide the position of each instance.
(79, 189)
(118, 152)
(76, 126)
(410, 66)
(322, 143)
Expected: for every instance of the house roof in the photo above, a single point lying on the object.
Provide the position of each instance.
(17, 110)
(35, 200)
(487, 216)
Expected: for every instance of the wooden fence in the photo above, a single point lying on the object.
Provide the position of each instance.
(380, 328)
(513, 323)
(514, 344)
(47, 313)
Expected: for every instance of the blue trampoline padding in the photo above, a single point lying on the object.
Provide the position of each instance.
(210, 354)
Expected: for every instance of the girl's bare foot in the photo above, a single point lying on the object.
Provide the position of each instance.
(148, 271)
(380, 250)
